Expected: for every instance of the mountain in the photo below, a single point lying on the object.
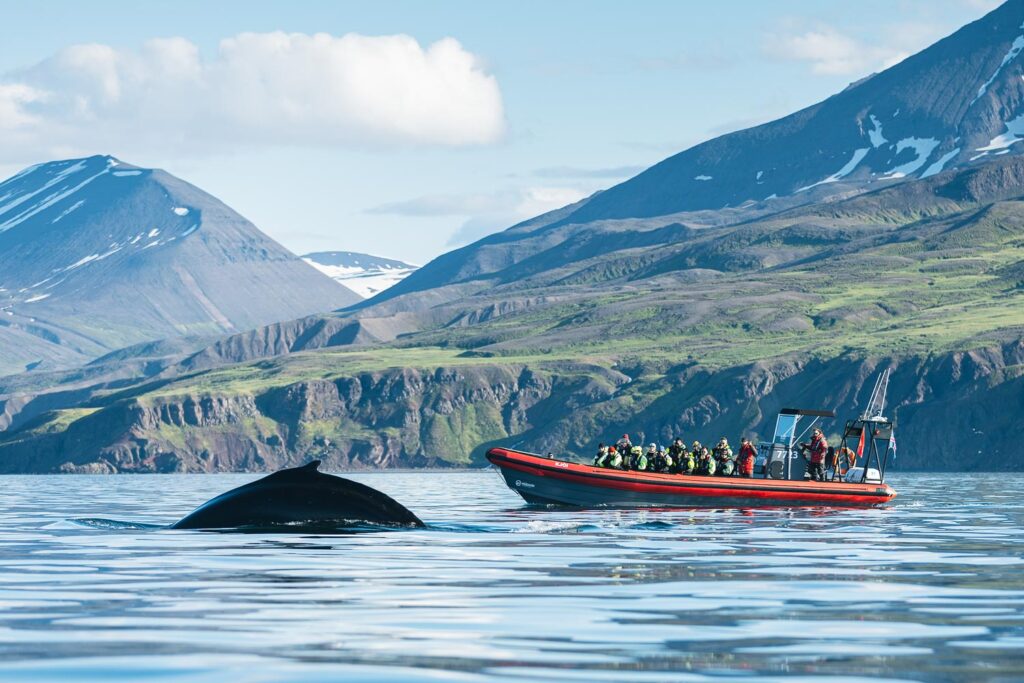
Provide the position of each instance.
(97, 254)
(364, 274)
(956, 104)
(660, 312)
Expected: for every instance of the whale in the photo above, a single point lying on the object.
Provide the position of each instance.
(297, 499)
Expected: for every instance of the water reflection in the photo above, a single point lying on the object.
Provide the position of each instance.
(927, 589)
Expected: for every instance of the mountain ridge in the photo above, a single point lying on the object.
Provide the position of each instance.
(96, 254)
(560, 331)
(896, 125)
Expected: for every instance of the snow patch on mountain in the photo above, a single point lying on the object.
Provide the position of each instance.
(50, 200)
(82, 261)
(68, 210)
(875, 134)
(923, 148)
(1014, 133)
(846, 170)
(1015, 48)
(940, 164)
(364, 274)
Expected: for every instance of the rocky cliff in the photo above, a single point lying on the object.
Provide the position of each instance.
(396, 418)
(449, 416)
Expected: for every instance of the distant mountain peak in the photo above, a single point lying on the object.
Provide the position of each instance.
(956, 103)
(96, 253)
(956, 107)
(365, 274)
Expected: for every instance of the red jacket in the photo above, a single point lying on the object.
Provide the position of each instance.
(819, 448)
(747, 456)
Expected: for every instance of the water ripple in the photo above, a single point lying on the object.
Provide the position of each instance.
(929, 588)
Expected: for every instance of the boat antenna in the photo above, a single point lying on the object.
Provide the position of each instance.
(876, 404)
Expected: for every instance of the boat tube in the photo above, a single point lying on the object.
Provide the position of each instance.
(545, 480)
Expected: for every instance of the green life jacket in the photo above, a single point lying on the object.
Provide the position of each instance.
(615, 460)
(712, 467)
(641, 462)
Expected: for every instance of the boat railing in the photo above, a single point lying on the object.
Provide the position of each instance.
(868, 433)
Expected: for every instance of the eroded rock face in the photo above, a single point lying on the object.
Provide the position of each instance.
(400, 418)
(955, 411)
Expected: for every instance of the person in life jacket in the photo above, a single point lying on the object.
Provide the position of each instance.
(818, 448)
(696, 450)
(652, 457)
(747, 457)
(667, 459)
(624, 445)
(614, 460)
(707, 465)
(689, 463)
(677, 450)
(843, 459)
(663, 461)
(601, 459)
(723, 458)
(637, 459)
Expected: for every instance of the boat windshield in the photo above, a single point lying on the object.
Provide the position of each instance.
(785, 427)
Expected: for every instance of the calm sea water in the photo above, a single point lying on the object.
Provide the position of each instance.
(930, 588)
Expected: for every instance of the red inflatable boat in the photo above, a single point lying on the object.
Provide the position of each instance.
(548, 481)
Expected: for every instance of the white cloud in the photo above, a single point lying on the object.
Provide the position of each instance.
(488, 212)
(260, 89)
(613, 172)
(448, 204)
(831, 52)
(983, 5)
(537, 200)
(524, 202)
(14, 98)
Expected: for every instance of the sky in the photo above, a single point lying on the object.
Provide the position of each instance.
(407, 129)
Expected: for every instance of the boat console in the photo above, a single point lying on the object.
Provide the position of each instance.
(780, 458)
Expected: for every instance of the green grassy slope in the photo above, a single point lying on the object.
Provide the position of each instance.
(700, 330)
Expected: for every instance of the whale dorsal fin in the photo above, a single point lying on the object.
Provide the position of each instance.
(301, 472)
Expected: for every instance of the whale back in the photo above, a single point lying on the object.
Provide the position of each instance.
(300, 497)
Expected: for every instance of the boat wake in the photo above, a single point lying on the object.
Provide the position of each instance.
(110, 524)
(346, 527)
(326, 527)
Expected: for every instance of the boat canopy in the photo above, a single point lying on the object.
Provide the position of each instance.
(807, 411)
